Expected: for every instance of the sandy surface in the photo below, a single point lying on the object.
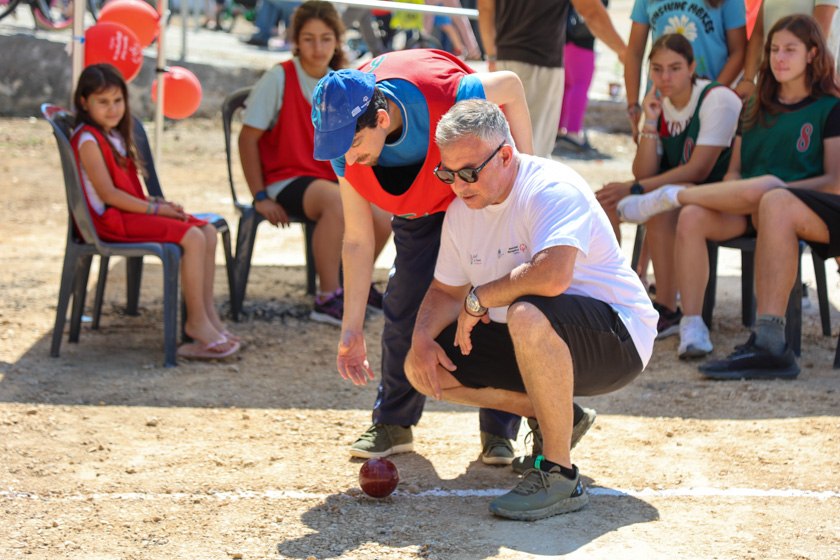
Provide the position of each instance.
(107, 455)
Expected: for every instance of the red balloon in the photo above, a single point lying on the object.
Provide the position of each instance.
(181, 93)
(378, 477)
(136, 15)
(115, 44)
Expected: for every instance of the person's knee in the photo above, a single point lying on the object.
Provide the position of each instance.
(692, 221)
(525, 320)
(775, 207)
(193, 239)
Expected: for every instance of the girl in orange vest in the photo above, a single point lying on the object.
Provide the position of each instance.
(121, 212)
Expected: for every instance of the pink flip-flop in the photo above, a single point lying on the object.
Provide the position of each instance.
(199, 351)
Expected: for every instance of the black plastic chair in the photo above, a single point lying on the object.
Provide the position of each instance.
(793, 326)
(83, 243)
(249, 218)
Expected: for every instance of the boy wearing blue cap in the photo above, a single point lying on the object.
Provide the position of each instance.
(376, 125)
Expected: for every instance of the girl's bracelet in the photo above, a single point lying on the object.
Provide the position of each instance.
(149, 208)
(634, 108)
(651, 123)
(653, 135)
(157, 208)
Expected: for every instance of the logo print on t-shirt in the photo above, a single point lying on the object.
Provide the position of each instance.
(804, 137)
(474, 258)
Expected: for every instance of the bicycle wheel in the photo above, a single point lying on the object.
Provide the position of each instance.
(7, 7)
(95, 6)
(53, 14)
(226, 19)
(424, 41)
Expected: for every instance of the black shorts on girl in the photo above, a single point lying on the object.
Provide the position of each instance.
(604, 356)
(827, 207)
(291, 197)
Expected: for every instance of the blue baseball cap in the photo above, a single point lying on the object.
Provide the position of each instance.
(339, 98)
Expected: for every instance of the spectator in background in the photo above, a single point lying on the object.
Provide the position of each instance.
(528, 39)
(579, 65)
(716, 30)
(268, 15)
(689, 127)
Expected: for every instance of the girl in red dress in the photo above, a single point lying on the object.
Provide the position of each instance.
(121, 212)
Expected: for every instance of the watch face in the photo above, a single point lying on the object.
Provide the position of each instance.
(472, 303)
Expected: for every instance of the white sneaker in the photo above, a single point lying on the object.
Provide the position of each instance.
(694, 338)
(639, 208)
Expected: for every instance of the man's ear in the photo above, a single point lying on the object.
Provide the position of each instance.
(383, 119)
(506, 153)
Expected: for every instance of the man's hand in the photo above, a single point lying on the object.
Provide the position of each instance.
(422, 363)
(466, 323)
(352, 358)
(272, 212)
(611, 193)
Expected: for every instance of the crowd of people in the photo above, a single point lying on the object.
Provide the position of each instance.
(509, 290)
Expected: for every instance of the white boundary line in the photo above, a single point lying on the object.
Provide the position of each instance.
(704, 492)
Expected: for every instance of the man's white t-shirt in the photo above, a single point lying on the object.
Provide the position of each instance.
(550, 205)
(718, 115)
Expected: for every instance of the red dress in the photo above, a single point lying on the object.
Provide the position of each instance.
(117, 225)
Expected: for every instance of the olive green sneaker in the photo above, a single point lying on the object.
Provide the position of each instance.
(381, 440)
(522, 464)
(496, 450)
(541, 494)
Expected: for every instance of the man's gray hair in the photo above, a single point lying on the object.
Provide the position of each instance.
(473, 118)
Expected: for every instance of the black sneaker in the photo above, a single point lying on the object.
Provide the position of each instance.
(374, 302)
(749, 361)
(669, 321)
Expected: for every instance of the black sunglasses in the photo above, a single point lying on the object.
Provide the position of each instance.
(467, 174)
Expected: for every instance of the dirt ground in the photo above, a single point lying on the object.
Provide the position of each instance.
(107, 455)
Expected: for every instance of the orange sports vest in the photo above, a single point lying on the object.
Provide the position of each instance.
(437, 75)
(286, 150)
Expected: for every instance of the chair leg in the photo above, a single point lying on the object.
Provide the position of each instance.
(100, 290)
(748, 300)
(245, 238)
(309, 230)
(711, 285)
(133, 274)
(637, 246)
(79, 295)
(171, 265)
(68, 273)
(229, 266)
(793, 319)
(822, 294)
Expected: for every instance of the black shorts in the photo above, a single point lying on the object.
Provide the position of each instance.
(827, 207)
(604, 356)
(291, 197)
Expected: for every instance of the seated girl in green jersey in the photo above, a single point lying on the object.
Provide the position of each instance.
(789, 137)
(687, 135)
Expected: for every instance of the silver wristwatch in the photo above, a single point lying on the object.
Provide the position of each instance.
(473, 305)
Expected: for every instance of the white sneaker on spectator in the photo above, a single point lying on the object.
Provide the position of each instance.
(694, 338)
(639, 208)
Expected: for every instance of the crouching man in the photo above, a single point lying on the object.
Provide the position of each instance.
(532, 303)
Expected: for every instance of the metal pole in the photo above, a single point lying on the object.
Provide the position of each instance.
(160, 68)
(403, 7)
(185, 14)
(77, 47)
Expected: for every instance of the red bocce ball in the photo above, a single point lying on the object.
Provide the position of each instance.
(378, 477)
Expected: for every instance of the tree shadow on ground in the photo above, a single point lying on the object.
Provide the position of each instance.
(344, 523)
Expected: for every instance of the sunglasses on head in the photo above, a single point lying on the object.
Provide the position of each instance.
(467, 174)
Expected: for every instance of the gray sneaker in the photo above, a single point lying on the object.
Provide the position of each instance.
(381, 440)
(496, 450)
(522, 464)
(541, 494)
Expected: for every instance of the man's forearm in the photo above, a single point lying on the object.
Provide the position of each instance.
(438, 310)
(487, 26)
(548, 274)
(357, 262)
